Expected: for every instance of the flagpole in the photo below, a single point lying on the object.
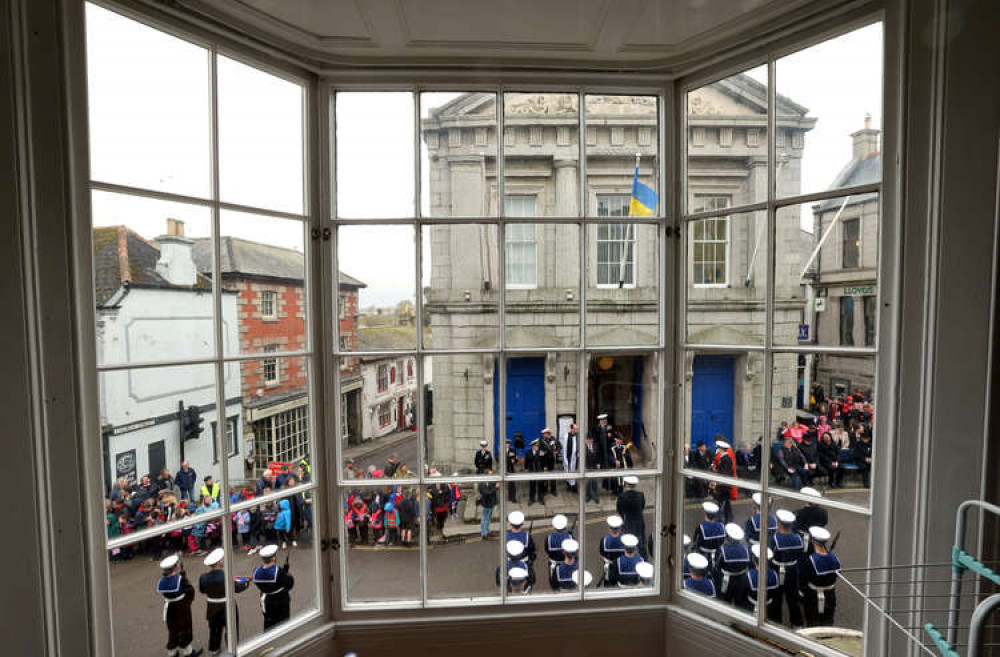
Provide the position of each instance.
(628, 228)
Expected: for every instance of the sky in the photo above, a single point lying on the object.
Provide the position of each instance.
(150, 127)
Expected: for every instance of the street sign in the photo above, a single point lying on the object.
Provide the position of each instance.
(803, 332)
(820, 304)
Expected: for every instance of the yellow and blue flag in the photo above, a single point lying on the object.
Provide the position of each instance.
(644, 199)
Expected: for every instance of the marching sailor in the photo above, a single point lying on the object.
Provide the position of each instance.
(745, 588)
(699, 582)
(274, 584)
(733, 561)
(516, 559)
(686, 540)
(553, 544)
(645, 571)
(213, 586)
(812, 514)
(788, 551)
(517, 581)
(817, 579)
(623, 572)
(611, 546)
(711, 533)
(563, 580)
(518, 533)
(752, 526)
(178, 594)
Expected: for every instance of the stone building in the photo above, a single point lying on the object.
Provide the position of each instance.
(844, 274)
(727, 166)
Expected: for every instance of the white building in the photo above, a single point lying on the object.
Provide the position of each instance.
(151, 305)
(389, 384)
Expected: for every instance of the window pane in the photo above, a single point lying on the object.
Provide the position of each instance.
(618, 129)
(462, 562)
(276, 419)
(724, 537)
(459, 154)
(623, 388)
(158, 442)
(461, 407)
(836, 142)
(261, 132)
(152, 302)
(375, 573)
(828, 272)
(727, 139)
(612, 567)
(374, 182)
(623, 292)
(541, 151)
(148, 95)
(263, 275)
(385, 279)
(796, 601)
(543, 293)
(724, 401)
(836, 395)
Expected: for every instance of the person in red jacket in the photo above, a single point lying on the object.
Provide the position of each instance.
(724, 463)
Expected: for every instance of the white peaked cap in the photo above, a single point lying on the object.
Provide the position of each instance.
(687, 540)
(631, 480)
(820, 534)
(559, 521)
(710, 507)
(630, 540)
(515, 548)
(644, 569)
(169, 562)
(268, 551)
(756, 497)
(812, 492)
(546, 430)
(517, 574)
(587, 577)
(515, 518)
(734, 531)
(614, 522)
(215, 556)
(785, 516)
(697, 561)
(755, 548)
(602, 416)
(570, 546)
(721, 444)
(483, 443)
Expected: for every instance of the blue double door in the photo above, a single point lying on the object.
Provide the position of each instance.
(525, 402)
(712, 399)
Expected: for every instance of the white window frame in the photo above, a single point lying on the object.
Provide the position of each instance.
(381, 378)
(268, 305)
(273, 365)
(700, 205)
(624, 201)
(516, 235)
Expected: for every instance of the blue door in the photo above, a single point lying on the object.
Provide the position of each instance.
(525, 400)
(712, 399)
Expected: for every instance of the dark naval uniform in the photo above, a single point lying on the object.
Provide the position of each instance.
(817, 579)
(213, 586)
(610, 548)
(623, 571)
(484, 461)
(563, 579)
(788, 550)
(178, 594)
(517, 563)
(733, 561)
(630, 506)
(709, 538)
(745, 593)
(810, 516)
(523, 537)
(274, 584)
(553, 545)
(702, 585)
(752, 528)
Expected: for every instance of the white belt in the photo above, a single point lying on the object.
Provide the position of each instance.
(166, 605)
(726, 575)
(263, 597)
(820, 595)
(781, 570)
(217, 600)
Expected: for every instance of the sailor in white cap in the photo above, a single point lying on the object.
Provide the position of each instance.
(274, 583)
(178, 594)
(645, 572)
(630, 506)
(621, 459)
(724, 464)
(623, 571)
(587, 578)
(516, 559)
(789, 549)
(518, 533)
(512, 462)
(686, 545)
(711, 533)
(752, 526)
(213, 586)
(818, 579)
(603, 441)
(517, 581)
(534, 461)
(812, 514)
(563, 580)
(611, 546)
(733, 561)
(553, 543)
(484, 458)
(745, 588)
(550, 456)
(699, 581)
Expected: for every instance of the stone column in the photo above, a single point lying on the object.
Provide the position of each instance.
(566, 274)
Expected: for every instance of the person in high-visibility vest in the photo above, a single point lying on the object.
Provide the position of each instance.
(211, 489)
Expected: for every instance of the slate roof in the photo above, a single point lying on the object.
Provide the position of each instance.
(123, 258)
(859, 171)
(387, 338)
(242, 257)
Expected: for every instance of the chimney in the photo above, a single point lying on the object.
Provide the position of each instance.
(176, 263)
(865, 141)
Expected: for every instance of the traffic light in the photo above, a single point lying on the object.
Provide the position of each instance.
(191, 421)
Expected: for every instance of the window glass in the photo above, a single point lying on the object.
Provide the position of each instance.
(148, 96)
(374, 183)
(385, 282)
(623, 284)
(261, 138)
(541, 151)
(458, 154)
(521, 256)
(727, 140)
(461, 411)
(461, 285)
(622, 388)
(619, 128)
(830, 114)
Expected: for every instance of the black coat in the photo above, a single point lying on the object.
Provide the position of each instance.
(488, 494)
(593, 458)
(484, 461)
(534, 461)
(630, 506)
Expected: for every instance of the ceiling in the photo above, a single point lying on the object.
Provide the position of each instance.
(592, 34)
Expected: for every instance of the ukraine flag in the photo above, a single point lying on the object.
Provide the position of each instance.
(644, 199)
